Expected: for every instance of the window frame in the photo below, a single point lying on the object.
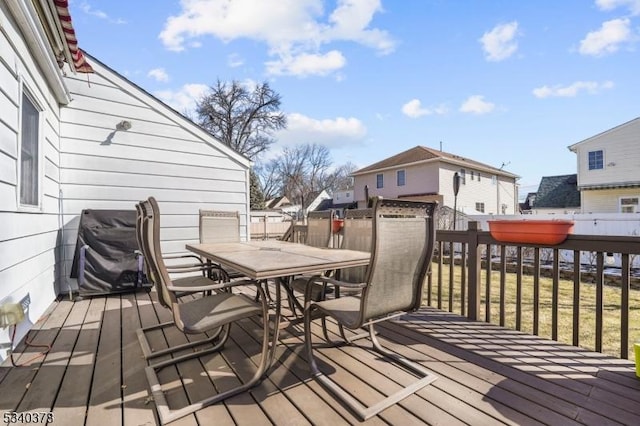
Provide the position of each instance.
(635, 206)
(463, 176)
(379, 180)
(404, 177)
(481, 205)
(27, 93)
(595, 160)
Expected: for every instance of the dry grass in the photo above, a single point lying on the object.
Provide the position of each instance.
(611, 314)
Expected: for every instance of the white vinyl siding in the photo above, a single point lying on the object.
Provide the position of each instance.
(161, 154)
(29, 235)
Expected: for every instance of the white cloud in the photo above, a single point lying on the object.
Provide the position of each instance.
(632, 5)
(159, 74)
(607, 39)
(307, 64)
(477, 105)
(414, 109)
(500, 43)
(293, 30)
(332, 133)
(184, 99)
(86, 8)
(234, 60)
(591, 87)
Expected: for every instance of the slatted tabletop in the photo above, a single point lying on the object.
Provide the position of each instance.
(487, 374)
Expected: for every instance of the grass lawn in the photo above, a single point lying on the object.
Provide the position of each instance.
(611, 313)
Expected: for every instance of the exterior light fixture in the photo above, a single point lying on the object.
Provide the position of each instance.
(123, 125)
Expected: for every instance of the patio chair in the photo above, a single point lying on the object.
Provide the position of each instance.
(196, 316)
(403, 243)
(197, 282)
(319, 234)
(218, 226)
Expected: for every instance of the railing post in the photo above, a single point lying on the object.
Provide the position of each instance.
(475, 269)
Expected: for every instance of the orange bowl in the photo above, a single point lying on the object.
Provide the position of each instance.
(543, 232)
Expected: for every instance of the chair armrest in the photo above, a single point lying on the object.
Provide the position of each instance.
(183, 256)
(212, 286)
(324, 280)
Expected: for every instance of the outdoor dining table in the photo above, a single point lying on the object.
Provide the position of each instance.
(277, 260)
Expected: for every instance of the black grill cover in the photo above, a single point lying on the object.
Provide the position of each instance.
(111, 263)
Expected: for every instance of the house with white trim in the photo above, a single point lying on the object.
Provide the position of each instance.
(609, 170)
(70, 142)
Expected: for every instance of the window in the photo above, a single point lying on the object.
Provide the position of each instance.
(629, 204)
(480, 207)
(596, 160)
(494, 180)
(478, 176)
(463, 177)
(472, 174)
(401, 177)
(29, 153)
(379, 180)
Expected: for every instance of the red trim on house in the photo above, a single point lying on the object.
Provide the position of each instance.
(79, 61)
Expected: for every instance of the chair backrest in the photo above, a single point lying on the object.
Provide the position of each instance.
(403, 243)
(319, 228)
(357, 234)
(151, 229)
(140, 237)
(217, 226)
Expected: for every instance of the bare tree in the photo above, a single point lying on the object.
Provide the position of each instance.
(241, 118)
(302, 170)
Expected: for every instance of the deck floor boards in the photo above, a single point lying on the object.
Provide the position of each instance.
(487, 375)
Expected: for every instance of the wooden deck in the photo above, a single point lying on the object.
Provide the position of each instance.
(94, 374)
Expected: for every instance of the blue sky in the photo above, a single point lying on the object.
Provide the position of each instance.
(498, 81)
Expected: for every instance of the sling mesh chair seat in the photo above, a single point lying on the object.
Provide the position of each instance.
(211, 312)
(195, 283)
(403, 243)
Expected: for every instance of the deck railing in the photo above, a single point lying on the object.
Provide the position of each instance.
(471, 279)
(467, 281)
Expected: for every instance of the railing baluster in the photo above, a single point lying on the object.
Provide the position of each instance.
(439, 295)
(555, 294)
(463, 279)
(503, 282)
(536, 291)
(519, 289)
(625, 273)
(451, 273)
(488, 285)
(599, 299)
(576, 297)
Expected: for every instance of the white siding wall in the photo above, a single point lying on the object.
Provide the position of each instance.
(605, 200)
(621, 149)
(162, 155)
(29, 261)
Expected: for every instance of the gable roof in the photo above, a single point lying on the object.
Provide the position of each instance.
(422, 154)
(167, 111)
(574, 147)
(558, 192)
